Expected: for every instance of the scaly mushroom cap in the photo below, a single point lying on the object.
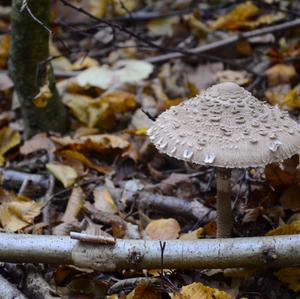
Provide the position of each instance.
(227, 127)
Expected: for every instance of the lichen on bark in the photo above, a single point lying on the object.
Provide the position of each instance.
(31, 71)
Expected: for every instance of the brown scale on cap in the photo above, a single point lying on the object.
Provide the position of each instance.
(226, 127)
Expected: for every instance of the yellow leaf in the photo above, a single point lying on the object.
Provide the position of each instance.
(84, 160)
(98, 143)
(122, 8)
(9, 138)
(193, 235)
(119, 101)
(17, 212)
(104, 201)
(236, 17)
(84, 63)
(42, 99)
(65, 174)
(100, 111)
(292, 98)
(290, 276)
(163, 229)
(197, 290)
(280, 73)
(286, 229)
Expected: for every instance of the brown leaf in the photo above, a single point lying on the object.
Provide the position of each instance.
(163, 229)
(104, 201)
(280, 73)
(290, 198)
(38, 142)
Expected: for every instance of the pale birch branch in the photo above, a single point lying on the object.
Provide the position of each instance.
(275, 251)
(9, 291)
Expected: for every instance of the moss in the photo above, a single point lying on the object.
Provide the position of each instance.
(31, 70)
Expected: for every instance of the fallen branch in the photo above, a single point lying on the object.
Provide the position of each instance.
(171, 205)
(226, 42)
(275, 251)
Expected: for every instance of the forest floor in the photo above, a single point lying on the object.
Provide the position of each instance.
(119, 65)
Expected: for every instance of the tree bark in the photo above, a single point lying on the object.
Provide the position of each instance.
(30, 70)
(273, 251)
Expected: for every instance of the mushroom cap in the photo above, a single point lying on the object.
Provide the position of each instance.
(225, 126)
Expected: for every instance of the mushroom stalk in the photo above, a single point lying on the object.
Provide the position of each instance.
(224, 215)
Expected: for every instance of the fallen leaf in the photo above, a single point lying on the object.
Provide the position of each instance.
(290, 198)
(98, 143)
(124, 71)
(132, 70)
(74, 206)
(17, 212)
(292, 98)
(99, 111)
(237, 17)
(280, 74)
(104, 201)
(4, 49)
(162, 26)
(193, 234)
(290, 276)
(197, 290)
(286, 229)
(65, 174)
(84, 160)
(144, 291)
(163, 229)
(38, 142)
(9, 138)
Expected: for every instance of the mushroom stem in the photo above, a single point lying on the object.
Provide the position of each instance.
(224, 216)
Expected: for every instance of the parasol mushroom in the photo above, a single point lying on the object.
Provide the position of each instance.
(226, 127)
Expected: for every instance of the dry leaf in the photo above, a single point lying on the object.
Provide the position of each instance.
(193, 234)
(286, 229)
(17, 212)
(74, 206)
(290, 276)
(65, 174)
(5, 82)
(163, 26)
(124, 71)
(84, 160)
(9, 138)
(290, 198)
(38, 142)
(237, 17)
(100, 111)
(144, 291)
(197, 290)
(4, 49)
(98, 143)
(163, 229)
(104, 201)
(292, 98)
(280, 74)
